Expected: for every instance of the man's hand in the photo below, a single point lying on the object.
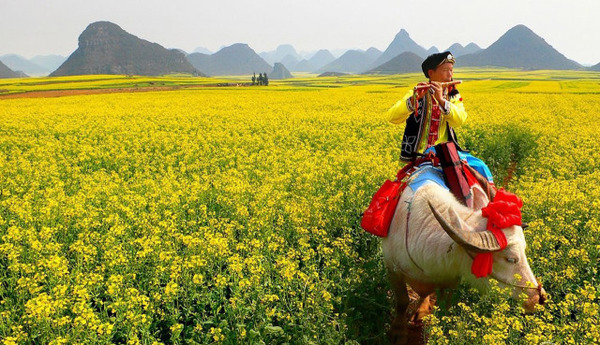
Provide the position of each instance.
(438, 92)
(421, 89)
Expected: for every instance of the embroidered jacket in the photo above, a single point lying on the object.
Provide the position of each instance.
(432, 125)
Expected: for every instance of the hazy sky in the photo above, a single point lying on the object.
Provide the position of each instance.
(42, 27)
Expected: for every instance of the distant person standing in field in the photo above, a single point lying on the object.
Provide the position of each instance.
(439, 110)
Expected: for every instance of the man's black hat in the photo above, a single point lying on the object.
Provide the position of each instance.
(435, 60)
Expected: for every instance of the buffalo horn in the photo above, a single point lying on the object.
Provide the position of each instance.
(479, 242)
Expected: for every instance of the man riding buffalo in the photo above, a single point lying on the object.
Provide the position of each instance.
(431, 112)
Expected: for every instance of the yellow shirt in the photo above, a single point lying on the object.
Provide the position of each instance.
(454, 115)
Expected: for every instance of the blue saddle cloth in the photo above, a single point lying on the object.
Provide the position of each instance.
(473, 161)
(426, 173)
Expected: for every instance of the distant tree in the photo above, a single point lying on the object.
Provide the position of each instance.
(266, 80)
(260, 79)
(254, 79)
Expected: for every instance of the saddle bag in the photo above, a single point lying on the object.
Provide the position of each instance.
(454, 175)
(379, 214)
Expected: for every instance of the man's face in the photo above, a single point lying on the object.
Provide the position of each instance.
(443, 73)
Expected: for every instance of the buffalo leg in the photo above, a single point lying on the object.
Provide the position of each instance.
(398, 333)
(425, 307)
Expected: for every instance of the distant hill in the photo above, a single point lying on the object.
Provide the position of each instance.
(278, 54)
(38, 65)
(432, 50)
(304, 66)
(48, 62)
(406, 62)
(401, 43)
(19, 63)
(519, 47)
(183, 52)
(458, 50)
(200, 60)
(6, 72)
(320, 59)
(596, 67)
(105, 48)
(290, 62)
(202, 50)
(237, 59)
(373, 53)
(353, 61)
(280, 72)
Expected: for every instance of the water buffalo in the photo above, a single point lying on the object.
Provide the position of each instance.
(431, 244)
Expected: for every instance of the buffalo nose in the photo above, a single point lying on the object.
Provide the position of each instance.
(535, 299)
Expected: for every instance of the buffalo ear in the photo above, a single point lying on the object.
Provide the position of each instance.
(452, 219)
(456, 221)
(480, 198)
(479, 242)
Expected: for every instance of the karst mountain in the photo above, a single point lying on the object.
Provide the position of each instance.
(105, 48)
(521, 48)
(6, 72)
(237, 59)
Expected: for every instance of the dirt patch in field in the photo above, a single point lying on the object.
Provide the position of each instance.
(512, 168)
(64, 93)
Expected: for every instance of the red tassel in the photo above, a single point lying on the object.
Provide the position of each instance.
(482, 265)
(501, 213)
(502, 195)
(500, 237)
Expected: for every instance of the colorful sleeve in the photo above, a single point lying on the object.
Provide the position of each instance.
(457, 115)
(400, 111)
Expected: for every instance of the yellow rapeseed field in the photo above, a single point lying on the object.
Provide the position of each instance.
(231, 215)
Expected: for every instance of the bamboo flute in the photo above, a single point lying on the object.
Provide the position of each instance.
(444, 85)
